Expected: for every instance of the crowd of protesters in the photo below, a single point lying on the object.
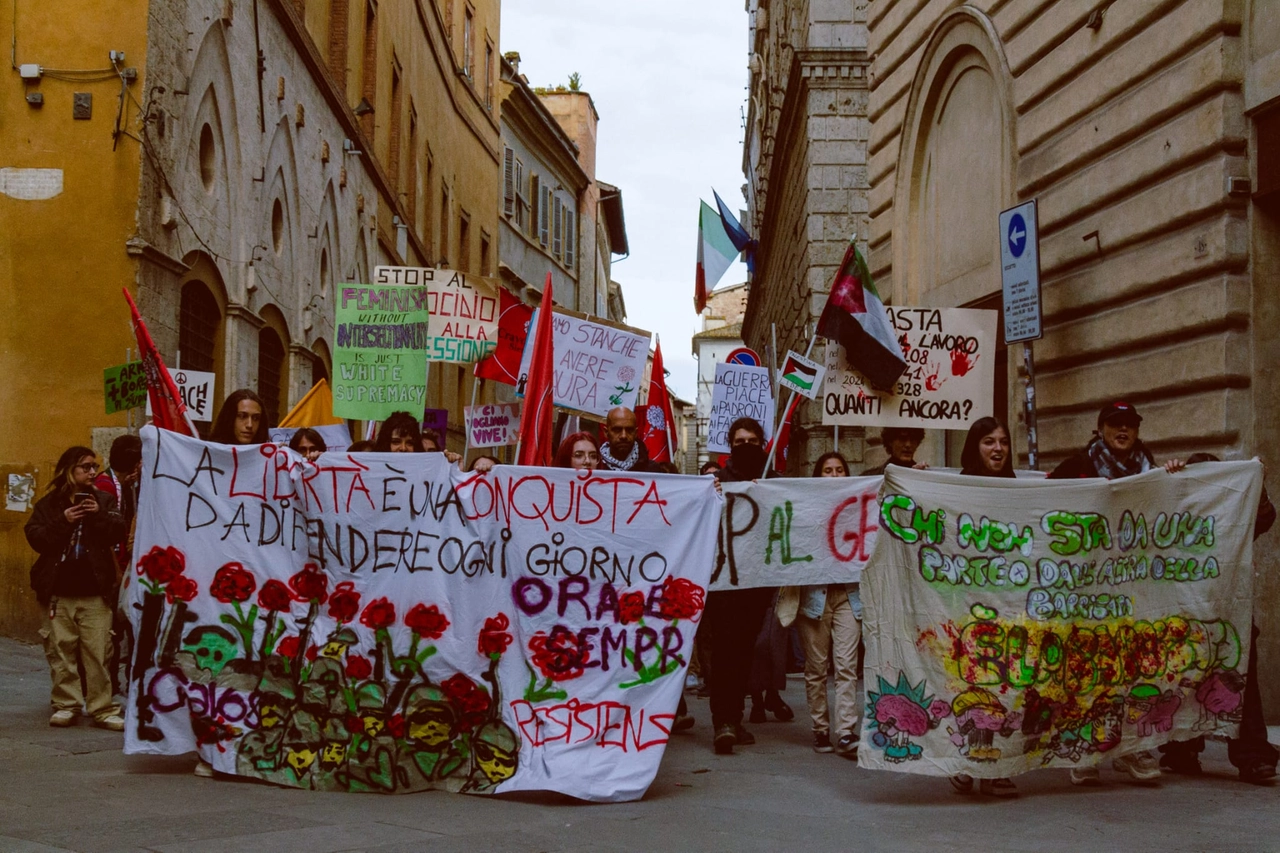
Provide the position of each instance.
(82, 531)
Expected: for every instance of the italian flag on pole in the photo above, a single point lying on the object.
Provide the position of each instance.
(715, 253)
(855, 316)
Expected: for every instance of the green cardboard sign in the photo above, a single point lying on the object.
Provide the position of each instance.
(124, 386)
(380, 351)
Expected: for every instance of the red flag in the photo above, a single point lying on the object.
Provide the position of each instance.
(503, 364)
(656, 422)
(783, 438)
(167, 409)
(537, 433)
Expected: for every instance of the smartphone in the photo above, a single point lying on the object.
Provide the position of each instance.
(81, 497)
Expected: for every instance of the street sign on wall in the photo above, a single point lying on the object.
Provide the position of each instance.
(1020, 272)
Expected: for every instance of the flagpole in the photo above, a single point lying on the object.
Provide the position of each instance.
(475, 387)
(768, 465)
(667, 427)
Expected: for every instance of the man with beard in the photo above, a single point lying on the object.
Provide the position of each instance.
(622, 452)
(1115, 452)
(733, 617)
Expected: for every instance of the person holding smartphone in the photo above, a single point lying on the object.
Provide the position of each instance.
(73, 528)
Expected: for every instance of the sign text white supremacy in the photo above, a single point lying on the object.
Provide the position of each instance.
(388, 623)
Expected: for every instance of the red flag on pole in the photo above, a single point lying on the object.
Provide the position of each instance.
(503, 364)
(167, 409)
(657, 424)
(783, 438)
(537, 438)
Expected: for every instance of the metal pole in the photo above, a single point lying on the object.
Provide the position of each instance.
(475, 388)
(768, 465)
(773, 365)
(1033, 445)
(835, 431)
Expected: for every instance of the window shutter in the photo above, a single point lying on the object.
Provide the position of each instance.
(519, 193)
(544, 233)
(508, 182)
(535, 215)
(559, 222)
(568, 237)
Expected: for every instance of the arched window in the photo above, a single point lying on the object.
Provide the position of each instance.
(270, 372)
(198, 327)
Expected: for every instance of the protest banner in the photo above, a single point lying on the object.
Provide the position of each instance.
(124, 386)
(464, 311)
(740, 391)
(599, 364)
(381, 337)
(391, 624)
(796, 532)
(494, 425)
(948, 384)
(1015, 624)
(802, 375)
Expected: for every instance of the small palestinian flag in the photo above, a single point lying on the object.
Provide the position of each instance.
(856, 317)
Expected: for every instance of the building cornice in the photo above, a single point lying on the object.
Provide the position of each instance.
(138, 247)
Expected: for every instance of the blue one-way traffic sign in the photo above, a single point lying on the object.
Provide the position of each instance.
(1020, 273)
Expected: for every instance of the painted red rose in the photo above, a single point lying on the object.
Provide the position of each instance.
(288, 647)
(378, 614)
(560, 656)
(181, 588)
(358, 667)
(354, 724)
(471, 700)
(310, 584)
(232, 583)
(274, 596)
(313, 652)
(396, 725)
(162, 565)
(681, 599)
(426, 622)
(494, 638)
(344, 602)
(631, 607)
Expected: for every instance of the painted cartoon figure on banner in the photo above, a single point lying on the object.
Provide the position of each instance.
(980, 716)
(899, 712)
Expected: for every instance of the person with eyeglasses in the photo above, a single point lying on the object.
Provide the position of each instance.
(73, 528)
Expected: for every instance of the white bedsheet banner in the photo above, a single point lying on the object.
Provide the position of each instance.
(1015, 624)
(387, 623)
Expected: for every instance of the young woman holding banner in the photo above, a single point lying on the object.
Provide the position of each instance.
(986, 453)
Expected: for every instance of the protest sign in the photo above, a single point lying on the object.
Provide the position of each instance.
(740, 391)
(802, 375)
(391, 624)
(436, 419)
(494, 425)
(950, 377)
(336, 436)
(598, 364)
(195, 387)
(124, 386)
(380, 351)
(464, 311)
(796, 532)
(1016, 624)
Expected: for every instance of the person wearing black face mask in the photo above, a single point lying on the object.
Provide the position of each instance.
(733, 617)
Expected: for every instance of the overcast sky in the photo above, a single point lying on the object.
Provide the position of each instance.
(667, 79)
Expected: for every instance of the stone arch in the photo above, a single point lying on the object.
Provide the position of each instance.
(274, 373)
(956, 166)
(203, 277)
(280, 185)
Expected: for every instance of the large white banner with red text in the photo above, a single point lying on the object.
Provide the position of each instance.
(384, 622)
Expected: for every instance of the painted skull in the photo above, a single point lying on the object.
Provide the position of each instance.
(212, 647)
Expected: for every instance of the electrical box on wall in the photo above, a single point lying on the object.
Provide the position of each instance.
(29, 72)
(82, 106)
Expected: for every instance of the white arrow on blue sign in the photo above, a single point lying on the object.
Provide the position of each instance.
(1020, 272)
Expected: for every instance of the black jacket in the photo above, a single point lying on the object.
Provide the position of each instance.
(49, 533)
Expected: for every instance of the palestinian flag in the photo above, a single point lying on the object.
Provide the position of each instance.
(856, 318)
(716, 252)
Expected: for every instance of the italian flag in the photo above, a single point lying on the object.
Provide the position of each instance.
(855, 316)
(715, 253)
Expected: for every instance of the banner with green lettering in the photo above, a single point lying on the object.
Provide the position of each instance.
(380, 351)
(1016, 624)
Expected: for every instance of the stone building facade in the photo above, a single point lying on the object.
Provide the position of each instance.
(721, 334)
(805, 160)
(1149, 132)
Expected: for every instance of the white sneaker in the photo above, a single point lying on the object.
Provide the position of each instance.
(1142, 766)
(1085, 776)
(113, 723)
(62, 719)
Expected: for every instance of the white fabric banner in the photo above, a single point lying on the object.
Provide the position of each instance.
(387, 623)
(1016, 624)
(796, 532)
